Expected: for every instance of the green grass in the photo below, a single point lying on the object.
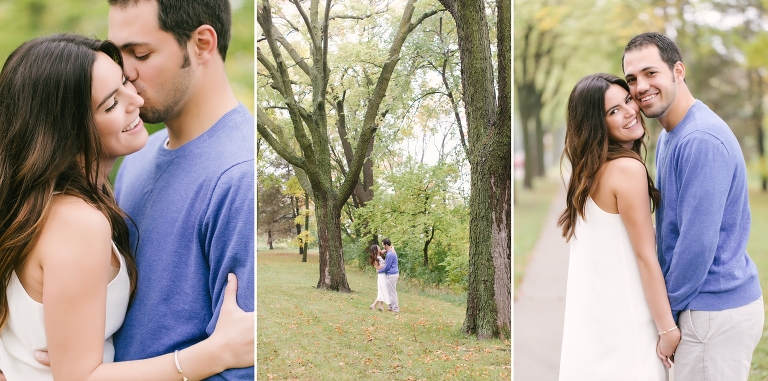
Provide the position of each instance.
(758, 251)
(530, 211)
(308, 334)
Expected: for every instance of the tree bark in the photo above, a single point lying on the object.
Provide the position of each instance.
(480, 100)
(431, 232)
(295, 204)
(501, 180)
(332, 274)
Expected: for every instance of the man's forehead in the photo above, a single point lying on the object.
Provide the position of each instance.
(641, 59)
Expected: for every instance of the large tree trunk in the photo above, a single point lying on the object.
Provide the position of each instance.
(480, 101)
(332, 274)
(501, 180)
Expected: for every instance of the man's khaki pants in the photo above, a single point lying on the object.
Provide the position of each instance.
(718, 345)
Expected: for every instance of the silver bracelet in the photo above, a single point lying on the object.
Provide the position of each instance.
(178, 367)
(660, 333)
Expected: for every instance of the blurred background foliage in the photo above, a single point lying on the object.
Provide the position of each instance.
(21, 20)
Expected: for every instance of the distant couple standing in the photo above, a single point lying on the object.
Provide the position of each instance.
(688, 294)
(385, 262)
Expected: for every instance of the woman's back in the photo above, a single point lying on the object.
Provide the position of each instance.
(25, 330)
(608, 333)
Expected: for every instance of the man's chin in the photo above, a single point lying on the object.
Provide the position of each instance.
(652, 113)
(152, 116)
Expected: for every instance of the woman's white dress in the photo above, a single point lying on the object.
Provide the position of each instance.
(24, 332)
(609, 333)
(381, 282)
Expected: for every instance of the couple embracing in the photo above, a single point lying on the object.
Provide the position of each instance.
(687, 293)
(153, 281)
(385, 263)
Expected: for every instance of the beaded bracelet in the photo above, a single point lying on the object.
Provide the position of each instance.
(660, 333)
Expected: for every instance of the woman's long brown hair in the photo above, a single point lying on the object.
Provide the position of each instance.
(49, 143)
(373, 254)
(587, 146)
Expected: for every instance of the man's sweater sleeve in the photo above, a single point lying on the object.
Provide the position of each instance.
(703, 172)
(387, 264)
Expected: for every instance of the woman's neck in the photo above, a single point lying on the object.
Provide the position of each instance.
(105, 167)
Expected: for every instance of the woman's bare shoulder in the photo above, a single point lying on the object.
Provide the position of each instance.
(71, 225)
(623, 169)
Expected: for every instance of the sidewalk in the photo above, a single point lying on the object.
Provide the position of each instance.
(540, 306)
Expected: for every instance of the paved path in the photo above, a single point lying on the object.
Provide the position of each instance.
(540, 305)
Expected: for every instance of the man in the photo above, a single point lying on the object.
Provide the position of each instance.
(190, 190)
(391, 270)
(702, 225)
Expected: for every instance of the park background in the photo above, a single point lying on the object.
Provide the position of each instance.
(725, 50)
(353, 147)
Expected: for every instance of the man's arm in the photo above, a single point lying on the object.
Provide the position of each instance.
(387, 264)
(229, 236)
(704, 171)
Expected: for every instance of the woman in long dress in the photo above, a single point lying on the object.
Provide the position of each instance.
(377, 261)
(67, 113)
(618, 322)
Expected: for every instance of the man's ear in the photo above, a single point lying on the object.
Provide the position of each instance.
(679, 71)
(205, 44)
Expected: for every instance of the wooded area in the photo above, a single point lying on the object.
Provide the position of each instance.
(394, 122)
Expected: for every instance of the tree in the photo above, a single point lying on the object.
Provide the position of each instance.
(489, 133)
(309, 120)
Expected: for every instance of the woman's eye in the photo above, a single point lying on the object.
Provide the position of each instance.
(113, 105)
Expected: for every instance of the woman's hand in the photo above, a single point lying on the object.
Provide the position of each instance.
(234, 332)
(665, 348)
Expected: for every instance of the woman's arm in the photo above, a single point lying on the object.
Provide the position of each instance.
(627, 178)
(75, 250)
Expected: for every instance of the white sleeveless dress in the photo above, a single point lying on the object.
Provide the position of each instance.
(24, 332)
(608, 333)
(381, 284)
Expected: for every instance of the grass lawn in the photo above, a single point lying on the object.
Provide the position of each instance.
(530, 211)
(758, 251)
(309, 334)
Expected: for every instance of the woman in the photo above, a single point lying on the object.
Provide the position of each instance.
(376, 260)
(66, 270)
(616, 306)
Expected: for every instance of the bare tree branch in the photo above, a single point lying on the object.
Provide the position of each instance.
(310, 27)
